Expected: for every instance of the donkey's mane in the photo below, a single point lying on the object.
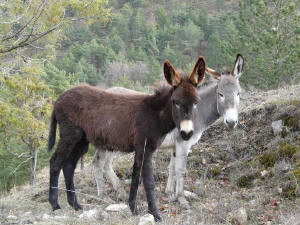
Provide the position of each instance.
(207, 89)
(158, 99)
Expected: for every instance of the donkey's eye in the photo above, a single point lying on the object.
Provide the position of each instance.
(195, 105)
(176, 104)
(221, 95)
(238, 94)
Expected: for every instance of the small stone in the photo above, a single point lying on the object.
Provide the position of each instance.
(45, 216)
(264, 173)
(93, 213)
(27, 213)
(116, 207)
(127, 181)
(11, 217)
(60, 217)
(277, 127)
(241, 215)
(189, 194)
(214, 203)
(252, 202)
(147, 219)
(280, 191)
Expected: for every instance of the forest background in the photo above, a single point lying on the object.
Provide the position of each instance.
(49, 46)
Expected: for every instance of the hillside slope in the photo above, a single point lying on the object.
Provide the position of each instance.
(247, 174)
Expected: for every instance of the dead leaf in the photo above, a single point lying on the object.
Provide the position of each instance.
(163, 207)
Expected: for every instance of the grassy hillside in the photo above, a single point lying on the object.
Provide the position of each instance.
(242, 176)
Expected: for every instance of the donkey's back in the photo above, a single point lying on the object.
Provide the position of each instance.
(106, 119)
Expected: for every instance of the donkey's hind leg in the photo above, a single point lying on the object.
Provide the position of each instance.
(55, 167)
(109, 171)
(98, 169)
(69, 168)
(56, 162)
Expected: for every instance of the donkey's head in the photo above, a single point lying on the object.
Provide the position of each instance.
(185, 96)
(228, 92)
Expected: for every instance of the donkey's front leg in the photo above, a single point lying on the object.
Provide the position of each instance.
(136, 173)
(149, 184)
(180, 167)
(171, 183)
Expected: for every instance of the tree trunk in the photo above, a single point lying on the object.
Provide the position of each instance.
(33, 162)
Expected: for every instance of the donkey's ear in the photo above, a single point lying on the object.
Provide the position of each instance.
(198, 74)
(213, 73)
(171, 75)
(237, 69)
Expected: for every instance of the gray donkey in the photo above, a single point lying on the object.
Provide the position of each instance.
(218, 99)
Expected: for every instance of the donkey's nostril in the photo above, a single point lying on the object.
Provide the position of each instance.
(186, 136)
(190, 134)
(230, 123)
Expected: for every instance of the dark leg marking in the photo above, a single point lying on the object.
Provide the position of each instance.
(149, 185)
(68, 170)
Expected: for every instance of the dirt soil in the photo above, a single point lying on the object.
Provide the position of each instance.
(248, 175)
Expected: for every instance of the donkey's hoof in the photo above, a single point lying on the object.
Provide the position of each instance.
(134, 210)
(183, 203)
(77, 207)
(157, 218)
(55, 207)
(171, 197)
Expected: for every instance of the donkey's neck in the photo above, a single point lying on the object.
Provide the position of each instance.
(161, 104)
(208, 110)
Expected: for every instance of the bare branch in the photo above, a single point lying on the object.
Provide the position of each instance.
(25, 161)
(26, 42)
(42, 6)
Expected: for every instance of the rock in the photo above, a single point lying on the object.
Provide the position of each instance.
(116, 207)
(60, 217)
(27, 213)
(11, 217)
(127, 181)
(147, 219)
(189, 194)
(93, 213)
(264, 173)
(241, 215)
(276, 127)
(46, 216)
(252, 202)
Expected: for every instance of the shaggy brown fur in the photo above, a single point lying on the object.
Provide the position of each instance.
(119, 122)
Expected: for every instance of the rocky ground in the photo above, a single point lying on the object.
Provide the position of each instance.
(249, 175)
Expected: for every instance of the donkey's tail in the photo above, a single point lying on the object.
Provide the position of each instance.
(52, 132)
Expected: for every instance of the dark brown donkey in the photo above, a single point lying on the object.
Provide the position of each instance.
(124, 123)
